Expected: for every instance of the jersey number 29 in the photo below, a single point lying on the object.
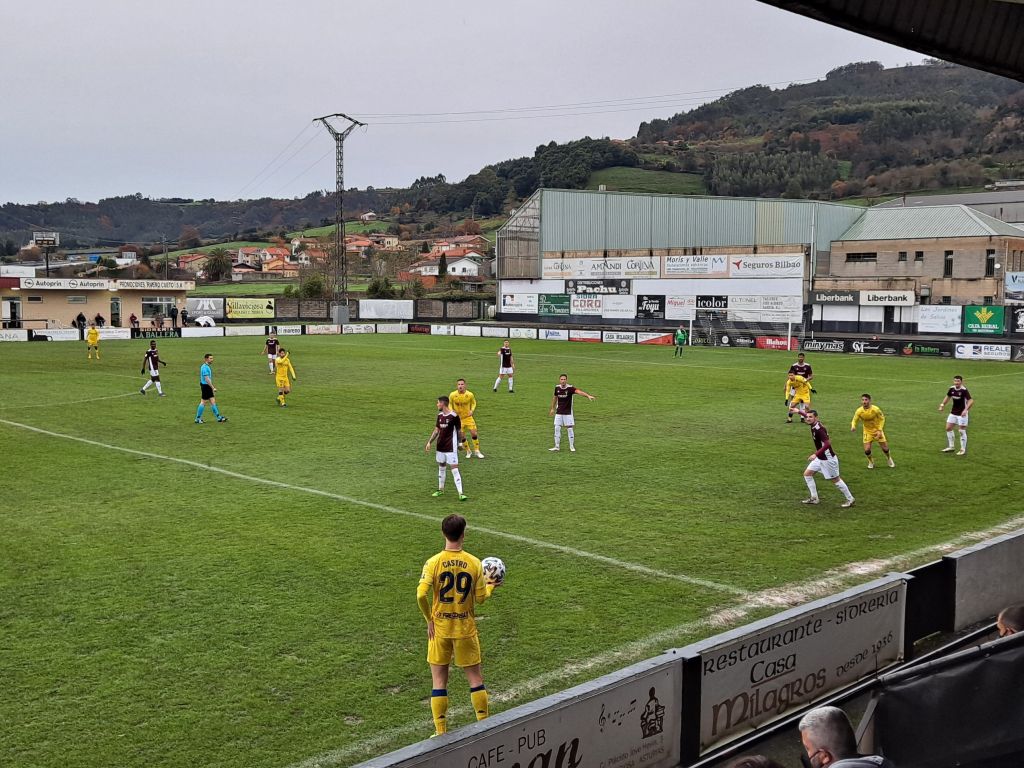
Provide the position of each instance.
(463, 584)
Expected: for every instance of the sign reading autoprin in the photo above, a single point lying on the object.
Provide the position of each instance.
(758, 673)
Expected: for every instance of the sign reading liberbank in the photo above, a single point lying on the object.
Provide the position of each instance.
(851, 298)
(887, 298)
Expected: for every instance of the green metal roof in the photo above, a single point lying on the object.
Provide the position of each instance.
(923, 222)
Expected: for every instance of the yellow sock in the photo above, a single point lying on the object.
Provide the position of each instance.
(439, 709)
(476, 443)
(479, 698)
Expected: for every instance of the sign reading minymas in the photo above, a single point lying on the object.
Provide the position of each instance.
(776, 265)
(633, 720)
(759, 673)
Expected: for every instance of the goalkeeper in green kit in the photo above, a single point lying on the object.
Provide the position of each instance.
(680, 339)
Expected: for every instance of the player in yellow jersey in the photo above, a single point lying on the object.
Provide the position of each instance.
(282, 367)
(463, 402)
(798, 396)
(873, 420)
(457, 582)
(92, 341)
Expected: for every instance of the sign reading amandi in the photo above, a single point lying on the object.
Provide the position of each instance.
(983, 320)
(242, 309)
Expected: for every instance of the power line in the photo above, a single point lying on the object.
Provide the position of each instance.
(263, 170)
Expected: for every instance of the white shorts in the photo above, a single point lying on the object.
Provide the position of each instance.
(829, 468)
(958, 420)
(448, 457)
(564, 420)
(154, 373)
(271, 357)
(505, 371)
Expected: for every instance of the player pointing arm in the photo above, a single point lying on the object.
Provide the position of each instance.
(561, 409)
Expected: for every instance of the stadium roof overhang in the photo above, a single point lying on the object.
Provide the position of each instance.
(984, 34)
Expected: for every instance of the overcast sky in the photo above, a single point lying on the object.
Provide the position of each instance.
(214, 98)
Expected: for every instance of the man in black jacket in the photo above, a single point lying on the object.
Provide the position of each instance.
(829, 740)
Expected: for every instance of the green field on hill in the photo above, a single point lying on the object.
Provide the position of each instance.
(243, 594)
(351, 228)
(655, 182)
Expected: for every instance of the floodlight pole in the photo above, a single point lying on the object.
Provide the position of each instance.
(339, 186)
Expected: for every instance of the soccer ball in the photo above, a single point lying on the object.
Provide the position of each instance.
(494, 569)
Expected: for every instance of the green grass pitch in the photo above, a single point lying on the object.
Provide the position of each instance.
(243, 594)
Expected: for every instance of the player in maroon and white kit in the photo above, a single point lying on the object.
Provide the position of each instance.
(823, 460)
(270, 350)
(561, 409)
(962, 403)
(448, 433)
(802, 368)
(506, 367)
(151, 362)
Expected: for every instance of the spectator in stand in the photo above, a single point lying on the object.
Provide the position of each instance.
(184, 317)
(174, 315)
(133, 320)
(99, 320)
(754, 761)
(829, 740)
(1010, 620)
(158, 321)
(80, 321)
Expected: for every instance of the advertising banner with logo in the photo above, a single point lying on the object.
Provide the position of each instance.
(938, 318)
(776, 265)
(823, 345)
(248, 309)
(72, 334)
(1018, 353)
(654, 338)
(619, 337)
(419, 328)
(680, 307)
(887, 298)
(553, 305)
(586, 305)
(851, 298)
(245, 330)
(736, 340)
(198, 307)
(331, 329)
(622, 307)
(288, 330)
(765, 309)
(346, 328)
(442, 329)
(1013, 285)
(519, 303)
(874, 347)
(392, 328)
(387, 309)
(602, 269)
(467, 330)
(757, 674)
(599, 286)
(1016, 321)
(152, 333)
(912, 348)
(776, 342)
(198, 332)
(712, 302)
(584, 335)
(155, 285)
(695, 266)
(983, 351)
(522, 333)
(554, 334)
(986, 321)
(63, 284)
(497, 333)
(13, 334)
(118, 334)
(650, 307)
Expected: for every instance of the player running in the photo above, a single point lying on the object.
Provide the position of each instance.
(873, 420)
(151, 361)
(207, 391)
(463, 402)
(92, 341)
(281, 370)
(458, 585)
(798, 396)
(823, 460)
(561, 409)
(506, 367)
(448, 433)
(962, 403)
(802, 368)
(270, 350)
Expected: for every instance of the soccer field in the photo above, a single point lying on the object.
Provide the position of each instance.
(243, 594)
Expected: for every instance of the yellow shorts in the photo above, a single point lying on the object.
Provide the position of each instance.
(877, 436)
(468, 423)
(466, 650)
(800, 399)
(281, 383)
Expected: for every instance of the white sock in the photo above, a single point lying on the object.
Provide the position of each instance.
(811, 486)
(147, 385)
(159, 388)
(497, 381)
(963, 439)
(558, 437)
(949, 437)
(572, 437)
(457, 477)
(509, 383)
(842, 486)
(440, 477)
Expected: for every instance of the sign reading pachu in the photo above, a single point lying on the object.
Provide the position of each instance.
(758, 673)
(249, 309)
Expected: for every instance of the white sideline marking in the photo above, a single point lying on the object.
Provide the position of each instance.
(69, 402)
(635, 567)
(786, 596)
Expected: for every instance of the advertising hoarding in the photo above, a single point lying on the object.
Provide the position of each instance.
(823, 345)
(939, 318)
(13, 334)
(197, 307)
(650, 307)
(63, 284)
(249, 309)
(387, 309)
(467, 330)
(1016, 320)
(519, 303)
(586, 305)
(851, 298)
(591, 336)
(68, 334)
(695, 266)
(622, 307)
(983, 320)
(245, 330)
(874, 298)
(625, 268)
(553, 305)
(598, 286)
(712, 302)
(497, 333)
(155, 285)
(913, 348)
(392, 328)
(120, 334)
(643, 337)
(880, 347)
(346, 328)
(522, 333)
(443, 329)
(197, 332)
(776, 342)
(1013, 288)
(329, 329)
(152, 333)
(619, 337)
(680, 307)
(554, 334)
(775, 265)
(288, 330)
(982, 351)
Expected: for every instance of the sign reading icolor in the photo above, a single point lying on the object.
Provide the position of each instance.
(758, 673)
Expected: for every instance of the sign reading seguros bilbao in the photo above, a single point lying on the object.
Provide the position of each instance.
(774, 265)
(758, 673)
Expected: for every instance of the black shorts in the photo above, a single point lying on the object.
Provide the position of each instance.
(207, 391)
